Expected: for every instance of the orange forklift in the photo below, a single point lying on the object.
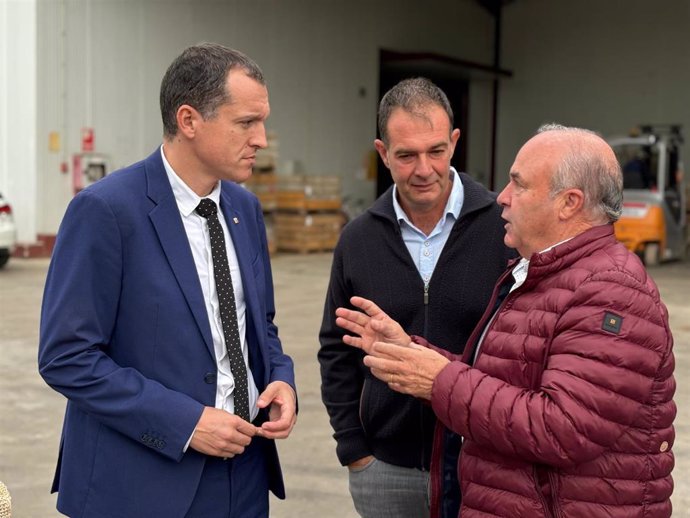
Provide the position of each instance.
(654, 222)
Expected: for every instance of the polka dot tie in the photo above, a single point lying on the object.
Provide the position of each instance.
(226, 298)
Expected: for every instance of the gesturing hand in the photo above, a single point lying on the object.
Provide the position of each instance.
(371, 325)
(409, 370)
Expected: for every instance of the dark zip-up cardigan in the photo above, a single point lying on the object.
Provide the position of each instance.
(372, 261)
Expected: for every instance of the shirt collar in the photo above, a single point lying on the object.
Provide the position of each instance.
(453, 205)
(187, 200)
(522, 267)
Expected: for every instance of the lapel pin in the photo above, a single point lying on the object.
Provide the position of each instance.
(235, 220)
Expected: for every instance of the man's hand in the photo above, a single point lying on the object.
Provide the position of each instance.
(360, 463)
(221, 434)
(409, 370)
(282, 417)
(371, 326)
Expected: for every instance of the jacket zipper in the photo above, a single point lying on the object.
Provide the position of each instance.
(556, 509)
(421, 410)
(542, 499)
(436, 471)
(470, 346)
(426, 309)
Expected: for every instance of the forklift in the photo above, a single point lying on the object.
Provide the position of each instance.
(654, 221)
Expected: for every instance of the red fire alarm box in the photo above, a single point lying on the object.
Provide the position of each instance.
(87, 140)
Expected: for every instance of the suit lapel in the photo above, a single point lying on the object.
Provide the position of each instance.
(166, 220)
(241, 240)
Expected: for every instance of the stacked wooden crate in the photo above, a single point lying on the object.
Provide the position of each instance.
(263, 183)
(309, 216)
(687, 219)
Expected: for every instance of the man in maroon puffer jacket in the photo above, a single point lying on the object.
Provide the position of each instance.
(564, 392)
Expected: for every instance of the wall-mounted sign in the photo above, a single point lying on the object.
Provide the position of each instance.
(87, 140)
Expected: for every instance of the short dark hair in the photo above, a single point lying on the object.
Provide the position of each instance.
(412, 95)
(197, 77)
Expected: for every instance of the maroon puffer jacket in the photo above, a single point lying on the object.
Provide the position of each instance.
(568, 410)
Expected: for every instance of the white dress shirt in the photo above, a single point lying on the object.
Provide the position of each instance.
(522, 267)
(196, 228)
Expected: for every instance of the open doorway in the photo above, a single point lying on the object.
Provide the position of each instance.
(447, 75)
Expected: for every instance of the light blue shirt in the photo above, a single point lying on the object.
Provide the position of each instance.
(425, 250)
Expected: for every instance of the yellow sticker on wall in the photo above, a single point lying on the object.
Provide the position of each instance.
(54, 141)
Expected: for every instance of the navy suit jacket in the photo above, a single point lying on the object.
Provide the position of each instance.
(125, 337)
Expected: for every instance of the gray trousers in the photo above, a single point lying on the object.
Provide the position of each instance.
(381, 490)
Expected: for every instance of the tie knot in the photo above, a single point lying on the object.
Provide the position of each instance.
(206, 208)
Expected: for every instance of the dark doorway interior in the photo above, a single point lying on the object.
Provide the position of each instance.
(451, 78)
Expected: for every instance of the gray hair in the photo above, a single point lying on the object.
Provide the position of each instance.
(413, 96)
(197, 77)
(584, 167)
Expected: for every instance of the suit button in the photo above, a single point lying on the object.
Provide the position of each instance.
(210, 378)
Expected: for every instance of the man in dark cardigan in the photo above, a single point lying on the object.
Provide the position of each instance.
(428, 252)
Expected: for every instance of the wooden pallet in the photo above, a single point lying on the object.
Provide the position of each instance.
(309, 193)
(264, 186)
(305, 249)
(300, 202)
(303, 233)
(297, 242)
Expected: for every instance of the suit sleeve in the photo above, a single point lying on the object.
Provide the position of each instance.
(595, 384)
(78, 318)
(281, 365)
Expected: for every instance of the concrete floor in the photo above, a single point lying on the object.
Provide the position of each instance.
(31, 413)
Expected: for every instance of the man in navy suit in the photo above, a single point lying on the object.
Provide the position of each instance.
(131, 331)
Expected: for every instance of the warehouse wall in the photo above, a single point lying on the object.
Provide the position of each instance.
(603, 65)
(18, 180)
(100, 65)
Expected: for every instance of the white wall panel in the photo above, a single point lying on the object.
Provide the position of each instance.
(18, 104)
(4, 120)
(54, 186)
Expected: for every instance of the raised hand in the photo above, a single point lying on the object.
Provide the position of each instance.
(370, 325)
(409, 370)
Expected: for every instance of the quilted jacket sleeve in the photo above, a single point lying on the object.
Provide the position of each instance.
(595, 383)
